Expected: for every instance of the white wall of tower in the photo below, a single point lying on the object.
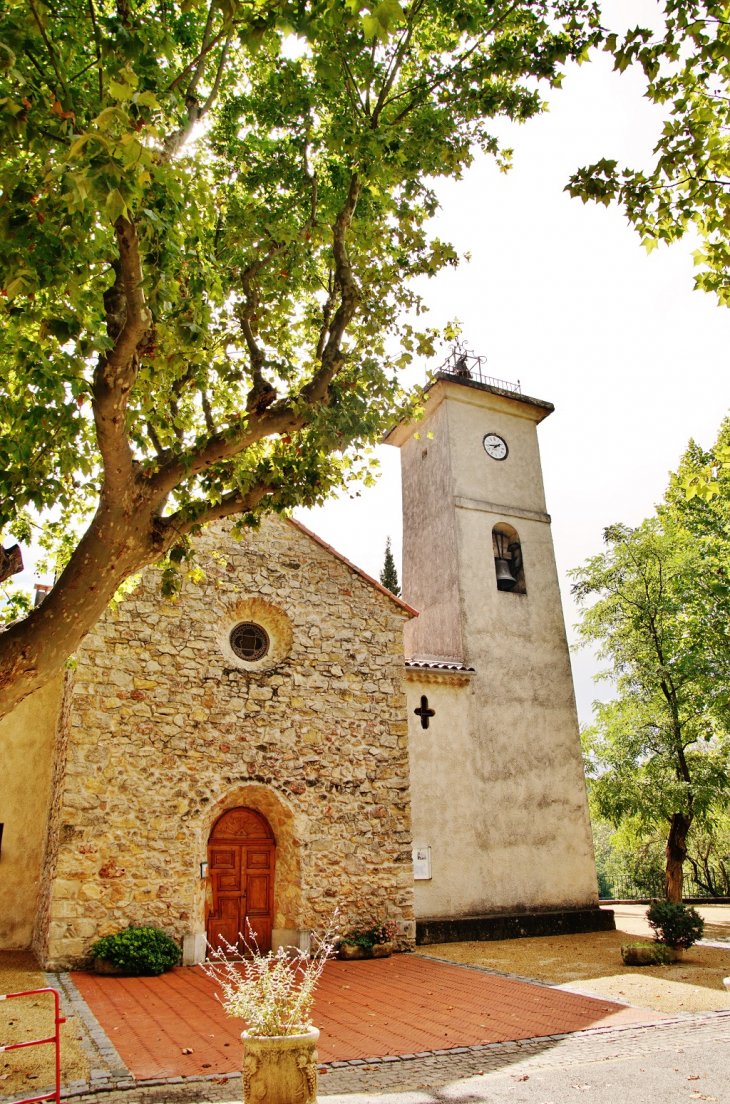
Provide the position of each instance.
(497, 782)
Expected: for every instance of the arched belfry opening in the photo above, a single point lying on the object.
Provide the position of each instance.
(241, 860)
(508, 565)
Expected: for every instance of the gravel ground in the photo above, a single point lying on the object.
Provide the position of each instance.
(591, 963)
(675, 991)
(22, 1072)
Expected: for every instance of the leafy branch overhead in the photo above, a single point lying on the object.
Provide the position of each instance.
(687, 187)
(211, 219)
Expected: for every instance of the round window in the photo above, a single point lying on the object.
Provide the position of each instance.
(249, 641)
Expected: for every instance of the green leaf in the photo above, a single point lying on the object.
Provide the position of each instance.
(371, 26)
(120, 91)
(109, 115)
(115, 205)
(78, 145)
(147, 99)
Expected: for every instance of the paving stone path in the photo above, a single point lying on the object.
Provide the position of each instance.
(672, 1061)
(580, 1049)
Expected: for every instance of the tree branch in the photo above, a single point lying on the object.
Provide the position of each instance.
(193, 86)
(49, 48)
(11, 561)
(218, 77)
(207, 412)
(281, 417)
(211, 45)
(38, 66)
(152, 434)
(396, 63)
(128, 318)
(233, 503)
(97, 39)
(345, 284)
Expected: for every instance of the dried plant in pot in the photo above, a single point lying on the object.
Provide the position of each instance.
(274, 994)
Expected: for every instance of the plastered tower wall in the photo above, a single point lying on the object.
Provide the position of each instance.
(28, 739)
(497, 784)
(427, 479)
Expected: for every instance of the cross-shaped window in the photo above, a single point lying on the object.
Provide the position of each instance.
(424, 712)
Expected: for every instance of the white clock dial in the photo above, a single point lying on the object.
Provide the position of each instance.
(495, 446)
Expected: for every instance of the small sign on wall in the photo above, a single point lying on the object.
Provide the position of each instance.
(422, 864)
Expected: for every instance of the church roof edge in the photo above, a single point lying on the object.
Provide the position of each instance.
(392, 437)
(448, 377)
(439, 665)
(353, 567)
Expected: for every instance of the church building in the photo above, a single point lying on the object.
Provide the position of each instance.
(289, 738)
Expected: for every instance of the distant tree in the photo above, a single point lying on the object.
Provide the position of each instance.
(659, 753)
(389, 575)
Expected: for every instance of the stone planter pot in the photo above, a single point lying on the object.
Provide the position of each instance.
(646, 956)
(103, 966)
(349, 951)
(280, 1069)
(638, 956)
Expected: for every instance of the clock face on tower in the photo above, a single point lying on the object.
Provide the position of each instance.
(495, 446)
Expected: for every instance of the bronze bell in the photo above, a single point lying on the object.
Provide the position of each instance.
(505, 578)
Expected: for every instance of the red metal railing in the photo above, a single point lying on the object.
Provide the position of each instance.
(38, 1042)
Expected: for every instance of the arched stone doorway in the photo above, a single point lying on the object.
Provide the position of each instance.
(241, 861)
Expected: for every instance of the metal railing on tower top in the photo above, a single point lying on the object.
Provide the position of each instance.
(462, 364)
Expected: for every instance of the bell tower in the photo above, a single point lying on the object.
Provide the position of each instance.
(501, 833)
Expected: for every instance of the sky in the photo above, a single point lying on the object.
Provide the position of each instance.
(562, 296)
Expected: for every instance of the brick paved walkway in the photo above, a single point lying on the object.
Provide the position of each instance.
(405, 1005)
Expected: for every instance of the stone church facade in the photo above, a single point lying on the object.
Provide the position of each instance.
(164, 728)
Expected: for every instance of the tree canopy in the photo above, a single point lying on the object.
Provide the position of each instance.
(211, 216)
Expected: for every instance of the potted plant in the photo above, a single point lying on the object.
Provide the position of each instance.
(373, 942)
(136, 951)
(676, 925)
(274, 994)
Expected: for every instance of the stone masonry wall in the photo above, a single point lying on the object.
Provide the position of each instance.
(166, 730)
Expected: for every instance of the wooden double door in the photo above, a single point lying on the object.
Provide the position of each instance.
(241, 860)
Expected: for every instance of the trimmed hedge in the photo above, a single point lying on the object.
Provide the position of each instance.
(144, 951)
(675, 924)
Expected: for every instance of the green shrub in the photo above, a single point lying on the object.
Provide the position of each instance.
(146, 950)
(675, 924)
